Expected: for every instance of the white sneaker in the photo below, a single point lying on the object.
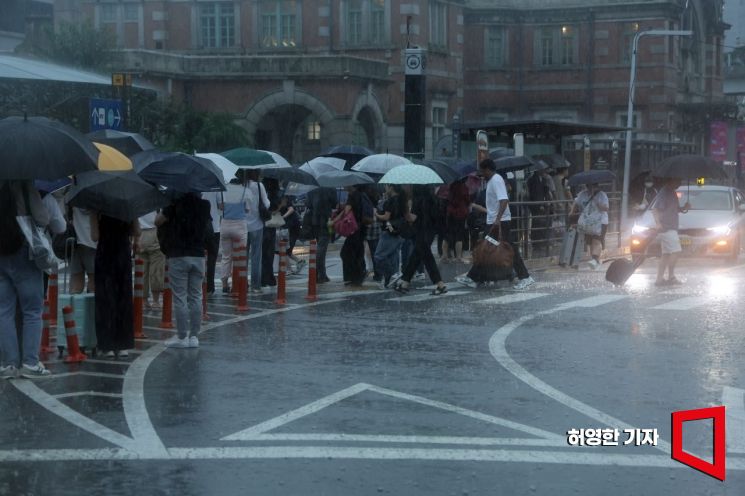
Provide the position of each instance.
(466, 281)
(419, 276)
(123, 354)
(8, 372)
(109, 354)
(35, 371)
(593, 264)
(193, 342)
(177, 342)
(524, 283)
(394, 279)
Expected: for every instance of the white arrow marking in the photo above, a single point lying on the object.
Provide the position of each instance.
(683, 303)
(734, 401)
(118, 117)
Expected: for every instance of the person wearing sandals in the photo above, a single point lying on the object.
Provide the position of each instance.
(423, 212)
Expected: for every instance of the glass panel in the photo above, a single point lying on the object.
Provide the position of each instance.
(354, 23)
(377, 21)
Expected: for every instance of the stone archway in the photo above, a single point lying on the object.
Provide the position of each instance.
(367, 122)
(289, 122)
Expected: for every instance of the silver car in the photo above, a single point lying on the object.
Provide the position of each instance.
(714, 225)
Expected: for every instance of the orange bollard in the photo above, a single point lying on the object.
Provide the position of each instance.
(138, 299)
(282, 275)
(45, 345)
(166, 319)
(53, 296)
(205, 314)
(74, 355)
(238, 252)
(312, 293)
(242, 283)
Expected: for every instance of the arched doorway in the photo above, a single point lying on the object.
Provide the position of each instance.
(293, 131)
(364, 129)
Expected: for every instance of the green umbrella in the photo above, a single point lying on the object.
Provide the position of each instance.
(248, 158)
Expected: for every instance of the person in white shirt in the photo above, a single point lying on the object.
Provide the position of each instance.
(255, 193)
(233, 227)
(213, 244)
(155, 260)
(498, 211)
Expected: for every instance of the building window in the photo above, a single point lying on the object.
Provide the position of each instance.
(314, 130)
(279, 27)
(494, 49)
(556, 45)
(635, 120)
(547, 46)
(131, 12)
(438, 18)
(365, 22)
(217, 24)
(439, 118)
(108, 12)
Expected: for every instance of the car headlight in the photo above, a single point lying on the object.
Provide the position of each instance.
(637, 229)
(720, 230)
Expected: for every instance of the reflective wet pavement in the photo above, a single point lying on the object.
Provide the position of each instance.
(371, 392)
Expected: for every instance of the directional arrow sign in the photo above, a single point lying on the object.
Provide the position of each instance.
(105, 114)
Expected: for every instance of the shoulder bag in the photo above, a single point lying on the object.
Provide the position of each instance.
(590, 221)
(264, 213)
(40, 247)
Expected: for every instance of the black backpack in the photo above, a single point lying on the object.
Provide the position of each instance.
(12, 238)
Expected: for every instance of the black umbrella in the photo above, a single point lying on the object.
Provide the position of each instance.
(689, 167)
(127, 143)
(501, 152)
(41, 148)
(554, 160)
(122, 194)
(347, 150)
(592, 177)
(295, 175)
(178, 171)
(445, 168)
(512, 164)
(340, 179)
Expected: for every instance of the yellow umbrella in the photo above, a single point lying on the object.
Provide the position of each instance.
(111, 159)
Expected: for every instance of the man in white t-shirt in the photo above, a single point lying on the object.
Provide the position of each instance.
(497, 210)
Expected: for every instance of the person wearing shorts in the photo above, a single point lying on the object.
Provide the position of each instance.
(666, 211)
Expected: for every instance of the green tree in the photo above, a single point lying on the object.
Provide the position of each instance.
(80, 45)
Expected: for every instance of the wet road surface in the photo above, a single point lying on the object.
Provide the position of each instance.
(371, 392)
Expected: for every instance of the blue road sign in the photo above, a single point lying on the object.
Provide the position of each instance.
(105, 114)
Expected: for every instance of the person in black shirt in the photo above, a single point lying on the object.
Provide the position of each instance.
(188, 225)
(353, 251)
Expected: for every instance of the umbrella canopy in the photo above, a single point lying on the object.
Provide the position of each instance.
(127, 143)
(592, 177)
(293, 174)
(248, 158)
(554, 160)
(411, 174)
(444, 168)
(41, 148)
(689, 167)
(319, 165)
(52, 186)
(500, 152)
(340, 179)
(347, 150)
(512, 164)
(228, 168)
(380, 163)
(110, 159)
(122, 195)
(297, 189)
(179, 171)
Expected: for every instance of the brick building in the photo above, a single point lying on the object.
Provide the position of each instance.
(302, 74)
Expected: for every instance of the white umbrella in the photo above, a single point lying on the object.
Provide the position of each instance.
(411, 174)
(319, 165)
(279, 161)
(227, 167)
(379, 163)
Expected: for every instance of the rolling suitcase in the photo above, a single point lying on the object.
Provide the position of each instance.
(572, 248)
(620, 270)
(83, 309)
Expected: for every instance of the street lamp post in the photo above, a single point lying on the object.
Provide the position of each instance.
(630, 116)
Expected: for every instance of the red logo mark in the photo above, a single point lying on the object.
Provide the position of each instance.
(716, 469)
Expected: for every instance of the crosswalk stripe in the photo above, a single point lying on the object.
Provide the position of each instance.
(683, 303)
(427, 296)
(512, 298)
(593, 301)
(734, 401)
(343, 294)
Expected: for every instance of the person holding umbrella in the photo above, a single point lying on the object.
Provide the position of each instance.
(593, 199)
(666, 212)
(353, 250)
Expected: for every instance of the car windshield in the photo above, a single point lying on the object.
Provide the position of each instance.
(706, 200)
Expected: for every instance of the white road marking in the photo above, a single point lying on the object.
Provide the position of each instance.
(363, 438)
(498, 349)
(683, 303)
(512, 298)
(159, 329)
(88, 374)
(260, 429)
(58, 408)
(575, 456)
(427, 296)
(592, 301)
(346, 294)
(87, 393)
(734, 401)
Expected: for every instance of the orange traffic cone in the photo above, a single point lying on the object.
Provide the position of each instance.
(74, 355)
